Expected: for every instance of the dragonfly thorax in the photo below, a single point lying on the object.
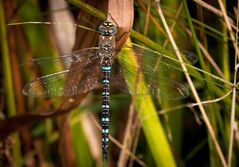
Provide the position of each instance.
(106, 51)
(106, 46)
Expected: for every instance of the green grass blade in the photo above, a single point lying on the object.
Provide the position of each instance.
(152, 127)
(39, 43)
(215, 156)
(80, 144)
(8, 82)
(89, 9)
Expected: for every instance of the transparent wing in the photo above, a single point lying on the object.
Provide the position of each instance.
(167, 54)
(82, 76)
(147, 72)
(80, 56)
(135, 83)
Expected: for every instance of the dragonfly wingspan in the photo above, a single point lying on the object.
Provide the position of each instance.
(149, 77)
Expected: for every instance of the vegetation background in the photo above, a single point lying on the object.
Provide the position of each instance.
(201, 130)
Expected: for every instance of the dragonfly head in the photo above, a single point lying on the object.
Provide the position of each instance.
(107, 28)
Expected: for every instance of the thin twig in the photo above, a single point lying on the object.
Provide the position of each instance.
(211, 101)
(174, 23)
(209, 7)
(113, 140)
(127, 142)
(194, 91)
(190, 105)
(215, 11)
(233, 109)
(210, 59)
(207, 56)
(137, 127)
(229, 27)
(51, 23)
(166, 110)
(147, 19)
(155, 21)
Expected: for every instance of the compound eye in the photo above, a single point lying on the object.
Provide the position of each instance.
(101, 29)
(112, 31)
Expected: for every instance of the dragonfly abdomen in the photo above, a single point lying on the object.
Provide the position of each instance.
(106, 68)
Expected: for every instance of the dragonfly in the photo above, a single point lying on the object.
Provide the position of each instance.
(96, 66)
